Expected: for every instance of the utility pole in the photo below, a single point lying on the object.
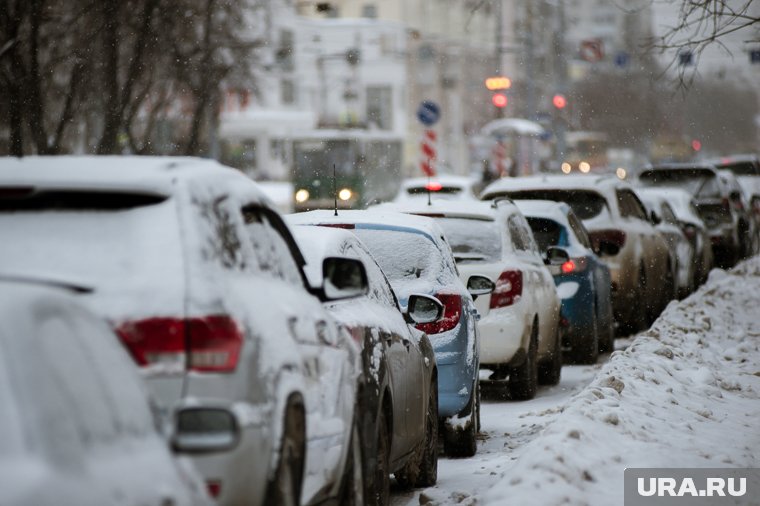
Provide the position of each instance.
(560, 71)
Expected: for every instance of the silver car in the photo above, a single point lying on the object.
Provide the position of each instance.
(203, 282)
(76, 426)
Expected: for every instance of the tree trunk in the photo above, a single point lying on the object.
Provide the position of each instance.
(203, 96)
(110, 77)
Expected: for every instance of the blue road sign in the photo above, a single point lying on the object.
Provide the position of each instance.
(754, 56)
(428, 113)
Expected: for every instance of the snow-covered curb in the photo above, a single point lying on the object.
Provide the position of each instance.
(686, 393)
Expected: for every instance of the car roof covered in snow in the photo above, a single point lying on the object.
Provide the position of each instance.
(444, 208)
(318, 243)
(383, 219)
(563, 182)
(149, 174)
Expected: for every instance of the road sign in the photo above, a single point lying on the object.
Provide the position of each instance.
(592, 50)
(428, 113)
(427, 146)
(622, 58)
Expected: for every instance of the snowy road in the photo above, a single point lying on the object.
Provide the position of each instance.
(507, 426)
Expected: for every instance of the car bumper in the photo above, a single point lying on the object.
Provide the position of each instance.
(502, 334)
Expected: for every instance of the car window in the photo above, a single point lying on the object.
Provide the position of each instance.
(379, 289)
(701, 183)
(272, 252)
(629, 205)
(472, 240)
(522, 237)
(220, 241)
(579, 230)
(667, 214)
(546, 232)
(586, 204)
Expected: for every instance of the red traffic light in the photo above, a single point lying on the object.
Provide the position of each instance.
(499, 100)
(696, 145)
(559, 101)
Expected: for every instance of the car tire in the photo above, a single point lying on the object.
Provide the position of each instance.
(549, 371)
(422, 469)
(352, 486)
(523, 380)
(462, 442)
(285, 486)
(378, 483)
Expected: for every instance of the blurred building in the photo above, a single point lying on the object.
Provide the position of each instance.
(448, 50)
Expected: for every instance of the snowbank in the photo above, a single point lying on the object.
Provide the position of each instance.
(686, 393)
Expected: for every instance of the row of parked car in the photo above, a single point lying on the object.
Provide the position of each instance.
(305, 358)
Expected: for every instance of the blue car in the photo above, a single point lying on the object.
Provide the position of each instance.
(416, 259)
(583, 282)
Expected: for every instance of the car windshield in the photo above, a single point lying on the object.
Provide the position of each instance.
(403, 255)
(700, 183)
(472, 240)
(546, 232)
(586, 204)
(746, 168)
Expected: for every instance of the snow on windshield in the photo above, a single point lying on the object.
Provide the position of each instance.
(118, 253)
(472, 240)
(585, 204)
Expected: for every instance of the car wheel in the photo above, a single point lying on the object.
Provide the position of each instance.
(285, 486)
(549, 372)
(462, 441)
(523, 380)
(352, 488)
(378, 483)
(422, 469)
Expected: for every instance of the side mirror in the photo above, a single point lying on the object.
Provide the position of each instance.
(556, 256)
(204, 430)
(343, 278)
(423, 309)
(654, 218)
(480, 285)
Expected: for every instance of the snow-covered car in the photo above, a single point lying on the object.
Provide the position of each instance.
(682, 252)
(416, 259)
(620, 234)
(396, 391)
(711, 196)
(443, 187)
(519, 320)
(203, 282)
(746, 167)
(583, 281)
(77, 426)
(741, 204)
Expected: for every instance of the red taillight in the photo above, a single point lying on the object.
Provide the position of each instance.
(214, 488)
(357, 334)
(452, 312)
(726, 205)
(508, 289)
(568, 267)
(433, 186)
(616, 237)
(214, 342)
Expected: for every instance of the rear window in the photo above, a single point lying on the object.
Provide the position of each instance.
(747, 168)
(472, 240)
(546, 232)
(121, 243)
(586, 204)
(699, 182)
(403, 256)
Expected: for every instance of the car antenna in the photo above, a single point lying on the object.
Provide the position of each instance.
(427, 187)
(335, 192)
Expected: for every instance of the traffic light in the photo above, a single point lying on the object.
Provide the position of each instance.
(499, 100)
(498, 83)
(559, 101)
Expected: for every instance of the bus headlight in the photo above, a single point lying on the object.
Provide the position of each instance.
(345, 194)
(584, 167)
(566, 168)
(302, 196)
(620, 172)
